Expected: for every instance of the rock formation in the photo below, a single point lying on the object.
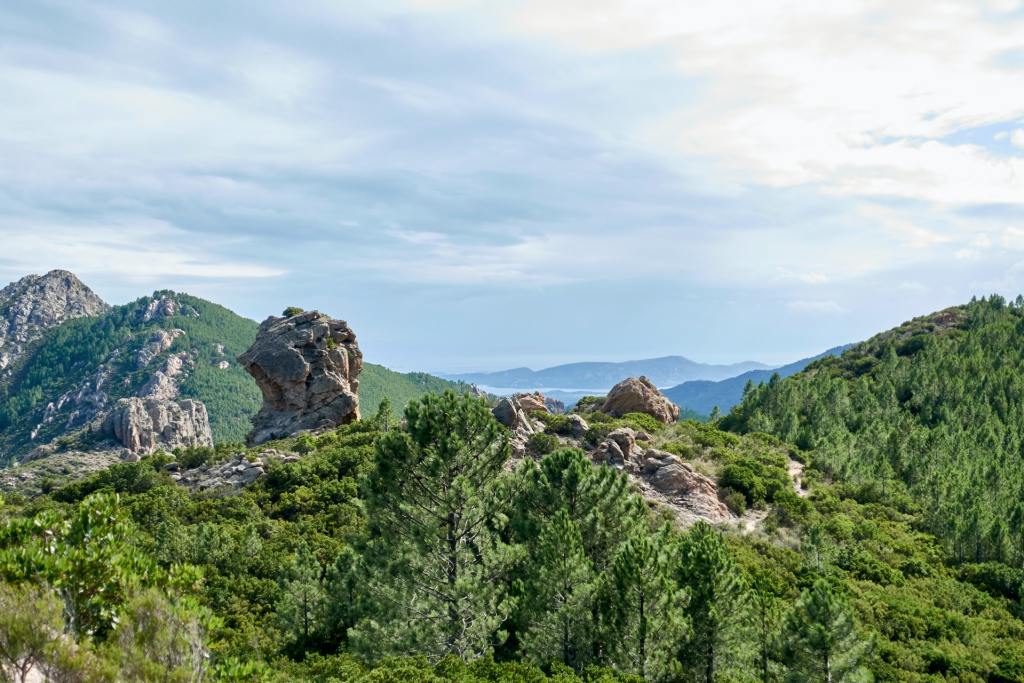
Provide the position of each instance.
(307, 367)
(639, 395)
(234, 473)
(663, 477)
(142, 425)
(36, 303)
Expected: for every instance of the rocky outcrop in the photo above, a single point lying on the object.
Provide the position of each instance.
(163, 384)
(142, 425)
(36, 303)
(662, 477)
(307, 367)
(157, 344)
(532, 402)
(234, 473)
(639, 395)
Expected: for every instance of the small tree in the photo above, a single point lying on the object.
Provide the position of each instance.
(301, 609)
(560, 597)
(160, 640)
(821, 642)
(30, 624)
(293, 311)
(717, 608)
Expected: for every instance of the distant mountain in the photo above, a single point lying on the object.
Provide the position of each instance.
(701, 396)
(599, 377)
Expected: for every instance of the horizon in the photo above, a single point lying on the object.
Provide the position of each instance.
(479, 187)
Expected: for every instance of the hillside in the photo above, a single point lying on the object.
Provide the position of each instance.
(701, 396)
(80, 368)
(666, 371)
(935, 406)
(378, 382)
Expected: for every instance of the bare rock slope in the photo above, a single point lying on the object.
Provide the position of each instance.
(142, 425)
(307, 367)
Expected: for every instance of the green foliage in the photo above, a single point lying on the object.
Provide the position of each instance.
(821, 642)
(377, 383)
(435, 555)
(933, 405)
(293, 311)
(541, 443)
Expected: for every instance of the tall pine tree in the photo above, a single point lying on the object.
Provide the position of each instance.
(435, 554)
(821, 643)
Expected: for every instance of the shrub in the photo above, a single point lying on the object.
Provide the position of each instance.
(642, 422)
(292, 310)
(588, 404)
(542, 444)
(734, 500)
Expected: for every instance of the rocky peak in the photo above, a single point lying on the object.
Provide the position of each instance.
(307, 367)
(36, 303)
(639, 395)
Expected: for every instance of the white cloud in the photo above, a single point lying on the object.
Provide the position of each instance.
(1017, 138)
(142, 250)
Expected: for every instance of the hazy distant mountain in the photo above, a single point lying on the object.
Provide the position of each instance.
(702, 395)
(599, 377)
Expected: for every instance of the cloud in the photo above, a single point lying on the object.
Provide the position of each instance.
(1017, 138)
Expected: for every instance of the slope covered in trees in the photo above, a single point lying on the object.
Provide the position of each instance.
(935, 406)
(396, 552)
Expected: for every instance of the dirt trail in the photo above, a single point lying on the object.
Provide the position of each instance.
(752, 520)
(796, 473)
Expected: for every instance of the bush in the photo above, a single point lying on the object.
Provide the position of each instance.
(642, 422)
(292, 310)
(553, 424)
(588, 404)
(734, 500)
(542, 444)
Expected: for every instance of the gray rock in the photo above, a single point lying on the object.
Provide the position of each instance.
(36, 303)
(143, 425)
(307, 367)
(577, 425)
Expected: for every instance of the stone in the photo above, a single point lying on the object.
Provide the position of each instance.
(142, 425)
(531, 402)
(157, 344)
(307, 367)
(639, 395)
(163, 384)
(223, 365)
(625, 439)
(577, 426)
(691, 493)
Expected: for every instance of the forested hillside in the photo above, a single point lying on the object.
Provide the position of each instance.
(935, 406)
(396, 553)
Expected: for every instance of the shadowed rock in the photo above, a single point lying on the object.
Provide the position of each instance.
(307, 367)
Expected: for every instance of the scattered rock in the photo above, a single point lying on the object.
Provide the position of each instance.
(554, 406)
(307, 367)
(510, 413)
(532, 402)
(639, 395)
(142, 425)
(692, 494)
(223, 365)
(157, 344)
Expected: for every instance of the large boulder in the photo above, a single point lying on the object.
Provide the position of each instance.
(307, 367)
(639, 395)
(142, 425)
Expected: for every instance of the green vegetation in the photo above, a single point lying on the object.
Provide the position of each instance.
(414, 553)
(934, 405)
(377, 383)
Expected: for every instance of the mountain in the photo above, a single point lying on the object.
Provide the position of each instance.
(69, 357)
(37, 303)
(934, 408)
(599, 377)
(701, 396)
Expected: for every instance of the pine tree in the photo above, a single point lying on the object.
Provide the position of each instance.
(647, 620)
(560, 597)
(301, 609)
(821, 643)
(435, 556)
(718, 609)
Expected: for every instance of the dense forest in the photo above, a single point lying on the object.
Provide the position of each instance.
(933, 407)
(411, 550)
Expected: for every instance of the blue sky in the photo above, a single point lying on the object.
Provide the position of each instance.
(477, 185)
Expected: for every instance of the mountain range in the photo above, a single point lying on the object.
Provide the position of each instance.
(601, 376)
(702, 396)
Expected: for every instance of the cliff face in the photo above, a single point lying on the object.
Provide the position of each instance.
(307, 367)
(36, 303)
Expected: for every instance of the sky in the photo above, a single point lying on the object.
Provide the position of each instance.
(477, 185)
